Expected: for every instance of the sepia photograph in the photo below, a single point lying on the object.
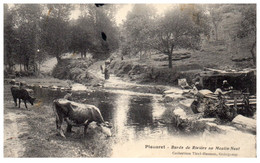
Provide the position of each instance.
(130, 80)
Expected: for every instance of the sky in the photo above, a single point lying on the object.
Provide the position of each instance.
(122, 13)
(124, 9)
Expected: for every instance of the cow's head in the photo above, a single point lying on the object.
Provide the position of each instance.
(105, 128)
(31, 100)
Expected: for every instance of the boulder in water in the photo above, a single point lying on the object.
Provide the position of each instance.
(246, 123)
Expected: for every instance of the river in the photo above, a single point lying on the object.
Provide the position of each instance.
(136, 125)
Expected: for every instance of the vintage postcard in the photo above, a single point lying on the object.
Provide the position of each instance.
(129, 80)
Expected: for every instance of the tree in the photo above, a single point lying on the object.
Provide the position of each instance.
(55, 30)
(137, 26)
(26, 20)
(104, 26)
(81, 36)
(216, 17)
(176, 29)
(248, 26)
(95, 24)
(9, 37)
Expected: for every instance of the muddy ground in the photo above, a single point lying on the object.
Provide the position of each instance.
(32, 133)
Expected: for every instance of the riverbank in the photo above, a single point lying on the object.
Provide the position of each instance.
(33, 133)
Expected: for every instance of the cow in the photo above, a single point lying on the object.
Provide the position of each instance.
(77, 114)
(21, 94)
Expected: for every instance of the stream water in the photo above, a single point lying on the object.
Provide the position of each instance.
(135, 119)
(133, 116)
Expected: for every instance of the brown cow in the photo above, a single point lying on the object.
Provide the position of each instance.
(21, 94)
(77, 114)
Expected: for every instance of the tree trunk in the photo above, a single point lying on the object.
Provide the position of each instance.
(58, 58)
(253, 53)
(39, 69)
(82, 54)
(170, 60)
(216, 32)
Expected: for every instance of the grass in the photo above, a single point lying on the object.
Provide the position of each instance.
(39, 137)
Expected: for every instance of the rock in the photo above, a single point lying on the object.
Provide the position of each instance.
(207, 119)
(173, 90)
(187, 102)
(17, 83)
(31, 85)
(210, 124)
(254, 116)
(23, 83)
(98, 85)
(13, 81)
(183, 83)
(172, 97)
(54, 87)
(246, 123)
(224, 128)
(173, 94)
(180, 113)
(78, 87)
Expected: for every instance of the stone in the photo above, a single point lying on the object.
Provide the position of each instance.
(245, 122)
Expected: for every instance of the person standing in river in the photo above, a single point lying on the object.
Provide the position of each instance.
(68, 96)
(106, 69)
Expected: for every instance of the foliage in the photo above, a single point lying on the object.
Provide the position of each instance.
(216, 16)
(248, 23)
(9, 38)
(86, 33)
(34, 31)
(55, 44)
(55, 29)
(248, 26)
(26, 20)
(179, 28)
(80, 37)
(105, 24)
(137, 26)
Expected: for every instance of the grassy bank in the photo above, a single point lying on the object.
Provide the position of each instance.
(76, 70)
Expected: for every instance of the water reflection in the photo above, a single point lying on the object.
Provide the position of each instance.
(132, 117)
(120, 116)
(140, 112)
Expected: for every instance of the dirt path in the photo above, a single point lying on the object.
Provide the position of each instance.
(13, 147)
(15, 127)
(117, 83)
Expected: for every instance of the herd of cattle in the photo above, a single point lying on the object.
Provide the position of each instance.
(73, 113)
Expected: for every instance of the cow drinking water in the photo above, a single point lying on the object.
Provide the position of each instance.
(77, 114)
(21, 94)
